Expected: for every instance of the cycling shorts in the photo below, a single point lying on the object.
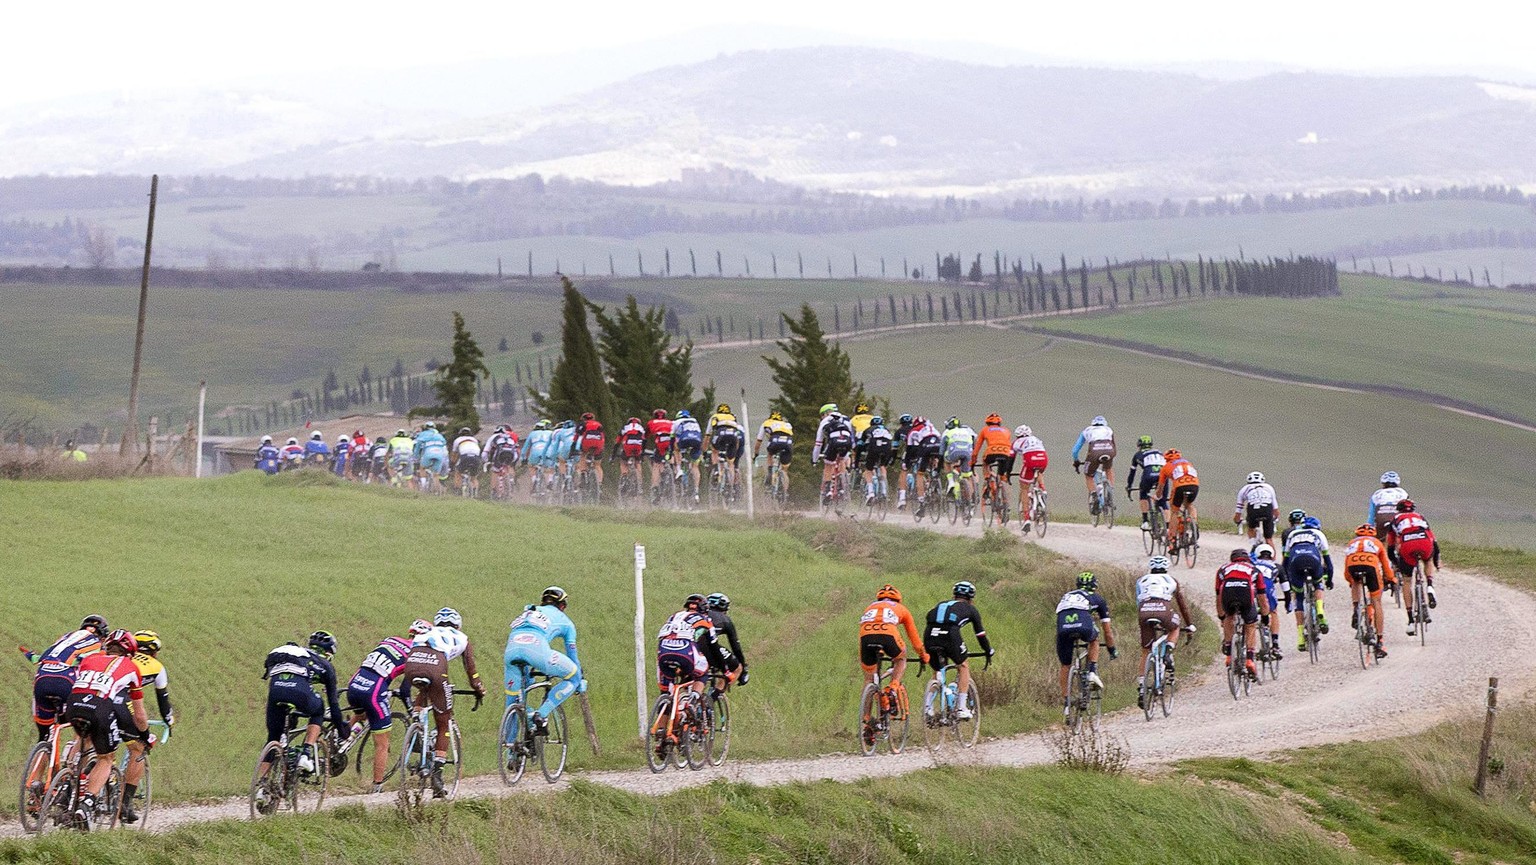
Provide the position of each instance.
(1411, 553)
(1365, 575)
(957, 455)
(1069, 634)
(592, 446)
(106, 724)
(1237, 600)
(1185, 495)
(942, 651)
(1261, 517)
(878, 457)
(1003, 463)
(1299, 568)
(661, 454)
(368, 693)
(401, 462)
(50, 696)
(728, 447)
(505, 458)
(528, 653)
(427, 663)
(836, 451)
(1144, 490)
(679, 661)
(285, 691)
(435, 463)
(874, 648)
(469, 465)
(1157, 616)
(783, 449)
(690, 450)
(1094, 462)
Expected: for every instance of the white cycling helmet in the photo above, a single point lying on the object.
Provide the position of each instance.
(1391, 478)
(448, 616)
(1255, 477)
(419, 627)
(1261, 549)
(316, 435)
(1158, 563)
(292, 441)
(1100, 421)
(1022, 431)
(266, 440)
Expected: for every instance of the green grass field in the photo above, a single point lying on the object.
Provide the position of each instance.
(227, 569)
(1467, 344)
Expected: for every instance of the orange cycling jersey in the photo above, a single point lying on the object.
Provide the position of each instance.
(1368, 552)
(993, 441)
(1181, 472)
(889, 617)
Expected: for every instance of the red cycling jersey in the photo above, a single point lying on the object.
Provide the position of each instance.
(660, 431)
(632, 440)
(109, 676)
(590, 435)
(1238, 575)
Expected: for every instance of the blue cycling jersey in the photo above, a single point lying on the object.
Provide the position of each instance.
(550, 624)
(562, 442)
(538, 445)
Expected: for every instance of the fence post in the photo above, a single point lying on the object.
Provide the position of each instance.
(747, 435)
(1482, 752)
(640, 693)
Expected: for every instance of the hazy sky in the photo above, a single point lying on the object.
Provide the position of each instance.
(58, 48)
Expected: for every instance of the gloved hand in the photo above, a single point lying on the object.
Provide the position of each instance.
(1113, 653)
(1328, 583)
(479, 698)
(1237, 519)
(1077, 466)
(1188, 629)
(742, 680)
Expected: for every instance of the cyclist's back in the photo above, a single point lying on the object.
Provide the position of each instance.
(55, 675)
(529, 648)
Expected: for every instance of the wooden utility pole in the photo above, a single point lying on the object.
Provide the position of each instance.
(1481, 783)
(130, 430)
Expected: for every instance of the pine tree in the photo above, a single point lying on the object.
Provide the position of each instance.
(577, 384)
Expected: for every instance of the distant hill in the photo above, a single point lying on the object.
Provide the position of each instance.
(855, 118)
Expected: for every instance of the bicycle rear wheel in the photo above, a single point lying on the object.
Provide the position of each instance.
(1311, 628)
(512, 744)
(1148, 684)
(695, 735)
(720, 729)
(968, 730)
(1042, 518)
(34, 785)
(552, 747)
(1167, 684)
(58, 805)
(869, 719)
(1362, 638)
(658, 748)
(456, 759)
(1421, 603)
(270, 786)
(143, 797)
(308, 791)
(415, 768)
(1108, 508)
(934, 716)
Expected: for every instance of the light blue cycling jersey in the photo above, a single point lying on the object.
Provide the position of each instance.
(538, 448)
(564, 440)
(430, 442)
(528, 643)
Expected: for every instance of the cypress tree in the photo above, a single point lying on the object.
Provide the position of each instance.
(577, 383)
(645, 370)
(811, 372)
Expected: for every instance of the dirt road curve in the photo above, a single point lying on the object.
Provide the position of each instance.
(1479, 626)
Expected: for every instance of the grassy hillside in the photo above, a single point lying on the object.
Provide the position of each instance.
(227, 569)
(1453, 341)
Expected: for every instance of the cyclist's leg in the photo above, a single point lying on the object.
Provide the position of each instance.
(561, 668)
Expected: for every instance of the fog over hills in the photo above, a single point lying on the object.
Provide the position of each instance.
(855, 118)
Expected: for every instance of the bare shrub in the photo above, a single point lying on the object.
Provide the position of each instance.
(1090, 749)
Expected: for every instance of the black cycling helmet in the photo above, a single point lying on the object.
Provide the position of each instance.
(554, 595)
(695, 601)
(95, 624)
(323, 642)
(718, 601)
(1239, 555)
(1297, 516)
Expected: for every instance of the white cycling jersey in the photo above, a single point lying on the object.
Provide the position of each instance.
(466, 446)
(1028, 444)
(1255, 495)
(1156, 587)
(450, 641)
(1384, 501)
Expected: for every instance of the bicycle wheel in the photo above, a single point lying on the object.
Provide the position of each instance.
(658, 749)
(1108, 508)
(455, 758)
(1095, 707)
(1191, 548)
(968, 730)
(1148, 684)
(695, 734)
(143, 797)
(1042, 518)
(1077, 703)
(552, 747)
(267, 789)
(1167, 683)
(869, 719)
(34, 785)
(415, 767)
(935, 718)
(1149, 540)
(1421, 604)
(1310, 623)
(1235, 669)
(720, 730)
(1362, 639)
(308, 790)
(58, 805)
(513, 751)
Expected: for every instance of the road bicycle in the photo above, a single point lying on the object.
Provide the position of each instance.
(587, 487)
(686, 485)
(42, 764)
(995, 498)
(1269, 653)
(1186, 537)
(419, 771)
(1084, 701)
(717, 715)
(835, 497)
(1154, 535)
(932, 503)
(629, 483)
(503, 483)
(1104, 495)
(1311, 629)
(60, 806)
(282, 784)
(941, 710)
(1238, 678)
(517, 738)
(876, 495)
(469, 483)
(883, 712)
(1037, 518)
(723, 487)
(664, 491)
(1420, 618)
(1159, 685)
(143, 795)
(961, 497)
(678, 733)
(1366, 637)
(777, 482)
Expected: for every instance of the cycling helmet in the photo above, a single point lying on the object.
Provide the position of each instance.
(952, 423)
(1144, 442)
(419, 627)
(682, 413)
(1261, 549)
(995, 419)
(1239, 555)
(316, 436)
(1365, 530)
(323, 642)
(775, 415)
(965, 589)
(1390, 479)
(659, 413)
(554, 595)
(122, 641)
(718, 601)
(1297, 516)
(828, 408)
(149, 641)
(381, 441)
(694, 601)
(877, 421)
(95, 624)
(861, 408)
(1312, 523)
(586, 415)
(464, 431)
(1099, 421)
(293, 441)
(448, 616)
(567, 424)
(541, 425)
(1087, 582)
(1158, 564)
(399, 432)
(1405, 506)
(888, 592)
(1173, 454)
(343, 437)
(1022, 431)
(905, 419)
(722, 408)
(266, 440)
(634, 420)
(1255, 477)
(430, 425)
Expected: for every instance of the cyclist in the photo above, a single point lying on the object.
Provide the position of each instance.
(501, 454)
(1078, 614)
(780, 436)
(359, 455)
(1262, 557)
(1034, 459)
(106, 707)
(994, 451)
(943, 640)
(1257, 508)
(834, 441)
(1383, 503)
(539, 454)
(878, 447)
(880, 632)
(680, 648)
(1178, 484)
(1095, 448)
(1306, 556)
(590, 441)
(1367, 569)
(723, 660)
(1297, 519)
(378, 460)
(467, 451)
(341, 456)
(1411, 542)
(290, 669)
(1238, 586)
(859, 421)
(268, 458)
(293, 454)
(152, 671)
(56, 667)
(431, 454)
(369, 691)
(1159, 603)
(529, 651)
(430, 655)
(316, 450)
(630, 445)
(562, 448)
(400, 461)
(727, 440)
(958, 444)
(688, 438)
(919, 455)
(1149, 461)
(659, 433)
